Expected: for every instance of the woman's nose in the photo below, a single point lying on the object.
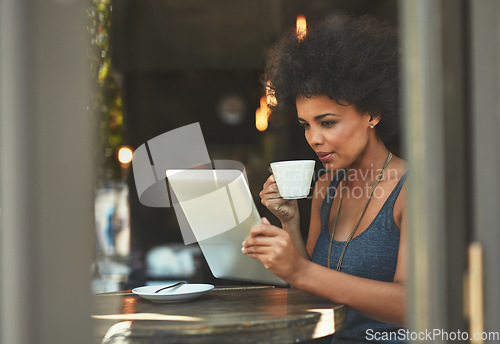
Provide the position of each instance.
(314, 137)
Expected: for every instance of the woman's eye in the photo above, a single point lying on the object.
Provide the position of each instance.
(328, 123)
(304, 125)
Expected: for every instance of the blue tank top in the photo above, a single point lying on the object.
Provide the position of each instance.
(372, 254)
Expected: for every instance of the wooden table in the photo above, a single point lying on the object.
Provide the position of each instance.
(224, 315)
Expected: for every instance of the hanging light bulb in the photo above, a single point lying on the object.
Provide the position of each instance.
(260, 120)
(262, 115)
(301, 27)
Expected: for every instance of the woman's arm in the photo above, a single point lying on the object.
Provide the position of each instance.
(383, 301)
(293, 228)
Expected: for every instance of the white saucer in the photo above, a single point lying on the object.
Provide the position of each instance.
(182, 293)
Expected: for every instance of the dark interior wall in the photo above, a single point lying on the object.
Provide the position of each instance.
(177, 59)
(172, 35)
(192, 34)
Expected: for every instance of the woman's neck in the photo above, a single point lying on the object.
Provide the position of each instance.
(366, 169)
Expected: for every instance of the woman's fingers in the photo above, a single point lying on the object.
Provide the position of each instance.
(273, 247)
(272, 200)
(262, 241)
(263, 235)
(265, 229)
(260, 257)
(257, 241)
(271, 197)
(265, 221)
(254, 250)
(271, 189)
(269, 181)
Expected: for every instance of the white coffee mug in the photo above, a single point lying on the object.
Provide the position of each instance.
(293, 177)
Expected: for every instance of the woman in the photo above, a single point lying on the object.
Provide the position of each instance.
(343, 78)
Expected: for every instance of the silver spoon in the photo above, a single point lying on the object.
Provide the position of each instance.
(178, 284)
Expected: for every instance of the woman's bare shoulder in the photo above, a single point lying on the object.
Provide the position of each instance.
(396, 169)
(400, 169)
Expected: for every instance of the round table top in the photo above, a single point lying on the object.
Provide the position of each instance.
(250, 314)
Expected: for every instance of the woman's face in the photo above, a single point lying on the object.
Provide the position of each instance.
(338, 134)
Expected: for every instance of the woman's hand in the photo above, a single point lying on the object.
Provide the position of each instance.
(285, 210)
(274, 248)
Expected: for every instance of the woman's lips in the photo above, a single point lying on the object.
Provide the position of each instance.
(323, 156)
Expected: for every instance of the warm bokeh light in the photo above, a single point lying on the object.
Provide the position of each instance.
(125, 155)
(147, 316)
(262, 115)
(301, 27)
(260, 120)
(324, 324)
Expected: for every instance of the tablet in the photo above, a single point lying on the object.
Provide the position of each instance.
(216, 208)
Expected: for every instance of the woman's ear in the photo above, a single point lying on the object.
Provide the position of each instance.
(374, 120)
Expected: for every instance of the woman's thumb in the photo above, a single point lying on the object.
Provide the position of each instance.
(265, 221)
